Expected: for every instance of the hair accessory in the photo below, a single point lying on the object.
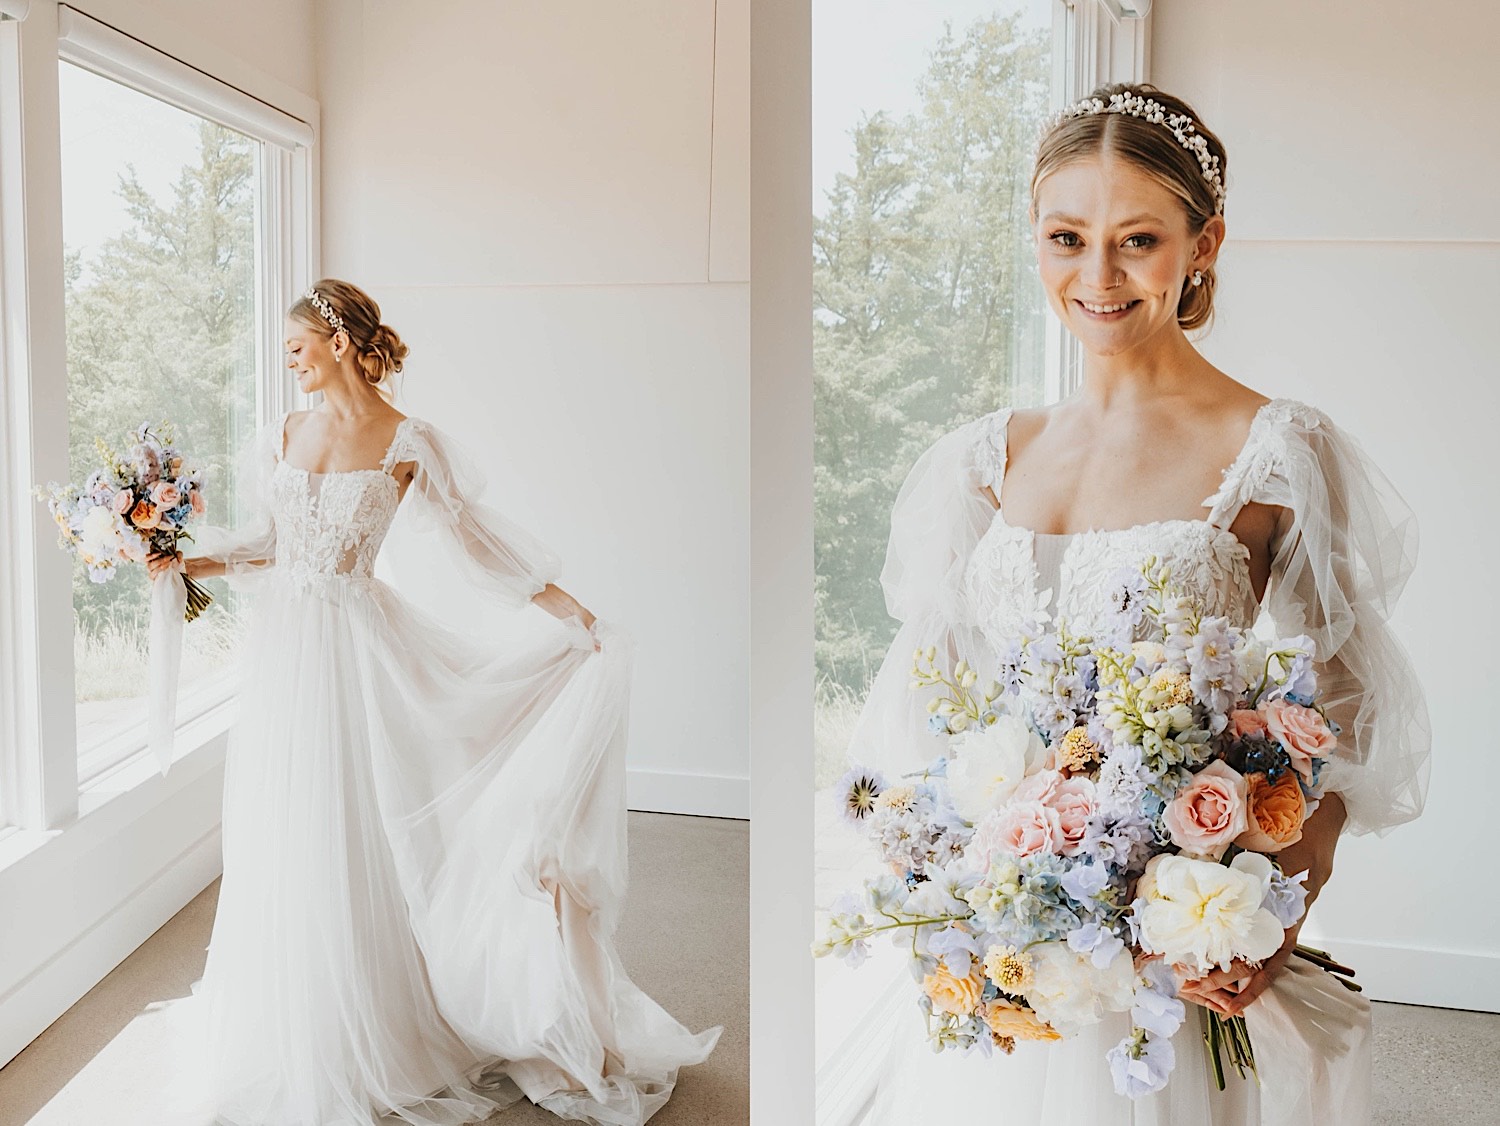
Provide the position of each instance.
(1197, 277)
(1180, 125)
(326, 310)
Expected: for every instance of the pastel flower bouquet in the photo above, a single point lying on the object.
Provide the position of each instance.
(1100, 827)
(131, 507)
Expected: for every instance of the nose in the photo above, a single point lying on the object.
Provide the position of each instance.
(1101, 269)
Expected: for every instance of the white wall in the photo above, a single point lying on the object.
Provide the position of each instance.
(1360, 275)
(550, 202)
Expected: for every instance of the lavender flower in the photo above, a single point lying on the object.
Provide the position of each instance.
(1140, 1064)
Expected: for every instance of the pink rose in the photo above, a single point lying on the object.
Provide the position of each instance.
(1245, 723)
(166, 494)
(1302, 731)
(1022, 828)
(1038, 787)
(1209, 812)
(124, 499)
(1073, 801)
(195, 498)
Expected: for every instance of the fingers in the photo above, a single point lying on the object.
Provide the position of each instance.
(1219, 979)
(1246, 997)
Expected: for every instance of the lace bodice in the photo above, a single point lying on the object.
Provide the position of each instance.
(1006, 589)
(334, 523)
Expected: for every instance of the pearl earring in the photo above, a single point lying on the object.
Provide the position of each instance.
(1197, 277)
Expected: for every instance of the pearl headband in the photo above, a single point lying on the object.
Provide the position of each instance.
(1180, 125)
(322, 305)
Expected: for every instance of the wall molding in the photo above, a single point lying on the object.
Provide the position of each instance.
(1412, 975)
(698, 795)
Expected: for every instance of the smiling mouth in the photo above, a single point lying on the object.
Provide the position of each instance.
(1107, 310)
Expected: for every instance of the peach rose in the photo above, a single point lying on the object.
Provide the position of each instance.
(1023, 828)
(145, 516)
(1243, 722)
(123, 500)
(956, 995)
(1302, 731)
(1038, 787)
(200, 505)
(1209, 812)
(1018, 1024)
(1074, 802)
(166, 494)
(1276, 813)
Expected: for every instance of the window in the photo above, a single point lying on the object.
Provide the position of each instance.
(927, 313)
(160, 241)
(154, 224)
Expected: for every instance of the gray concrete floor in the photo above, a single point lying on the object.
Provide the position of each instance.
(1436, 1066)
(117, 1057)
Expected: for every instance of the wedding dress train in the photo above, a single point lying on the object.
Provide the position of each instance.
(424, 833)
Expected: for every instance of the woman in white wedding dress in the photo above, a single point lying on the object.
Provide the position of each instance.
(424, 832)
(1029, 513)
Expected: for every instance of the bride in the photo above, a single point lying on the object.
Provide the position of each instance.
(424, 832)
(1026, 513)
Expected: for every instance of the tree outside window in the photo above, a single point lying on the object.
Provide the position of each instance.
(159, 211)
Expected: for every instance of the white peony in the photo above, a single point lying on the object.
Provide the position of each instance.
(989, 764)
(99, 535)
(1201, 915)
(1070, 993)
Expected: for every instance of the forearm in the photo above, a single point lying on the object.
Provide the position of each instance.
(203, 567)
(560, 604)
(1313, 854)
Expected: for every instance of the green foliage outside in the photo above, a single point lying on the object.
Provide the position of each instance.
(161, 325)
(927, 313)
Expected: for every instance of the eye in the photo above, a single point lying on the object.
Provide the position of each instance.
(1140, 242)
(1066, 239)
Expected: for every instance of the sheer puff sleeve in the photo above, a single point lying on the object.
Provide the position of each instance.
(1344, 549)
(497, 555)
(938, 516)
(249, 549)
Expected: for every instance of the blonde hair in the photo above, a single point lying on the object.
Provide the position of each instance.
(1153, 149)
(378, 351)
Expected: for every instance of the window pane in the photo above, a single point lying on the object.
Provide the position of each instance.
(160, 240)
(927, 313)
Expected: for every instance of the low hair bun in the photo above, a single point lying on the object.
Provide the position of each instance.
(384, 353)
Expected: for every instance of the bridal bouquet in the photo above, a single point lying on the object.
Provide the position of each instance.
(130, 507)
(1100, 822)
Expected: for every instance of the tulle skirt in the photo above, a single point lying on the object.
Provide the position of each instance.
(1312, 1051)
(424, 864)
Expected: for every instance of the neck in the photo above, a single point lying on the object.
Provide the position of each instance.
(350, 397)
(1165, 366)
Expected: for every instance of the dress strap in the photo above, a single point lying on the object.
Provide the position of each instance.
(1244, 476)
(401, 447)
(990, 449)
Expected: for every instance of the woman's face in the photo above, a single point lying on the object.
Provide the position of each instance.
(310, 354)
(1114, 250)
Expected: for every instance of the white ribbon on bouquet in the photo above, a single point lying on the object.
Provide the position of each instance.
(168, 605)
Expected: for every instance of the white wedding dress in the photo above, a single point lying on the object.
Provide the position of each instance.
(424, 832)
(958, 576)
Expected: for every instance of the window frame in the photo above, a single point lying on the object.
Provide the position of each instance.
(39, 764)
(1090, 47)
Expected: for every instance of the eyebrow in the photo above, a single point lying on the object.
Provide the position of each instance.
(1074, 221)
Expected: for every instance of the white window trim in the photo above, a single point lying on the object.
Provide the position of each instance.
(1090, 47)
(39, 783)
